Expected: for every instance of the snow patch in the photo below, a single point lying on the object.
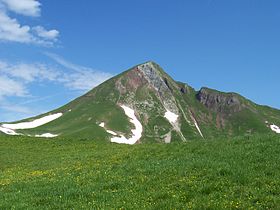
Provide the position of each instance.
(167, 138)
(33, 124)
(170, 116)
(275, 128)
(136, 133)
(102, 125)
(47, 135)
(8, 131)
(112, 132)
(196, 125)
(173, 120)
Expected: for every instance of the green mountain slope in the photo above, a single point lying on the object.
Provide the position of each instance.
(167, 111)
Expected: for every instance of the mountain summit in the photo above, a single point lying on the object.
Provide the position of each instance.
(145, 104)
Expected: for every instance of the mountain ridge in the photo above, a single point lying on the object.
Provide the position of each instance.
(167, 110)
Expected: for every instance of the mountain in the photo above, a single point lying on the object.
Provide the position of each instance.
(144, 104)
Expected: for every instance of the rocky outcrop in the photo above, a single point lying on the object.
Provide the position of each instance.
(218, 101)
(160, 84)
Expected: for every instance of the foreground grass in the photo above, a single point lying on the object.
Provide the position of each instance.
(77, 174)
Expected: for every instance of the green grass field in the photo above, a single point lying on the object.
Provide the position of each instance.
(81, 174)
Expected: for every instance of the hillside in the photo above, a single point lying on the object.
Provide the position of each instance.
(144, 104)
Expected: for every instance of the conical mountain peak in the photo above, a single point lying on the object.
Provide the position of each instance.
(150, 75)
(151, 66)
(145, 104)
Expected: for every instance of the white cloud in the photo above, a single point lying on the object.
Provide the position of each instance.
(11, 87)
(16, 108)
(11, 30)
(15, 77)
(45, 34)
(11, 111)
(66, 63)
(16, 80)
(83, 78)
(2, 65)
(27, 73)
(85, 81)
(24, 7)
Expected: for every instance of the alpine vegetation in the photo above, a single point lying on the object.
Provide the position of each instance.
(144, 104)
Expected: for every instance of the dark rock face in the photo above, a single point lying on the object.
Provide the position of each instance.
(219, 102)
(167, 84)
(183, 90)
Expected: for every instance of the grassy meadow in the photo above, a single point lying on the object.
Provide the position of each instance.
(241, 173)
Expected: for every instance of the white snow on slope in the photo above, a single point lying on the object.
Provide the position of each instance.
(8, 131)
(47, 135)
(102, 125)
(275, 128)
(136, 133)
(34, 123)
(112, 132)
(196, 125)
(173, 119)
(170, 116)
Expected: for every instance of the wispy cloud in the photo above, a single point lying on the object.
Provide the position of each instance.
(85, 81)
(65, 63)
(12, 31)
(12, 112)
(17, 108)
(16, 80)
(16, 77)
(11, 87)
(82, 78)
(28, 73)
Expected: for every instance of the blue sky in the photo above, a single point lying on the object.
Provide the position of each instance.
(53, 51)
